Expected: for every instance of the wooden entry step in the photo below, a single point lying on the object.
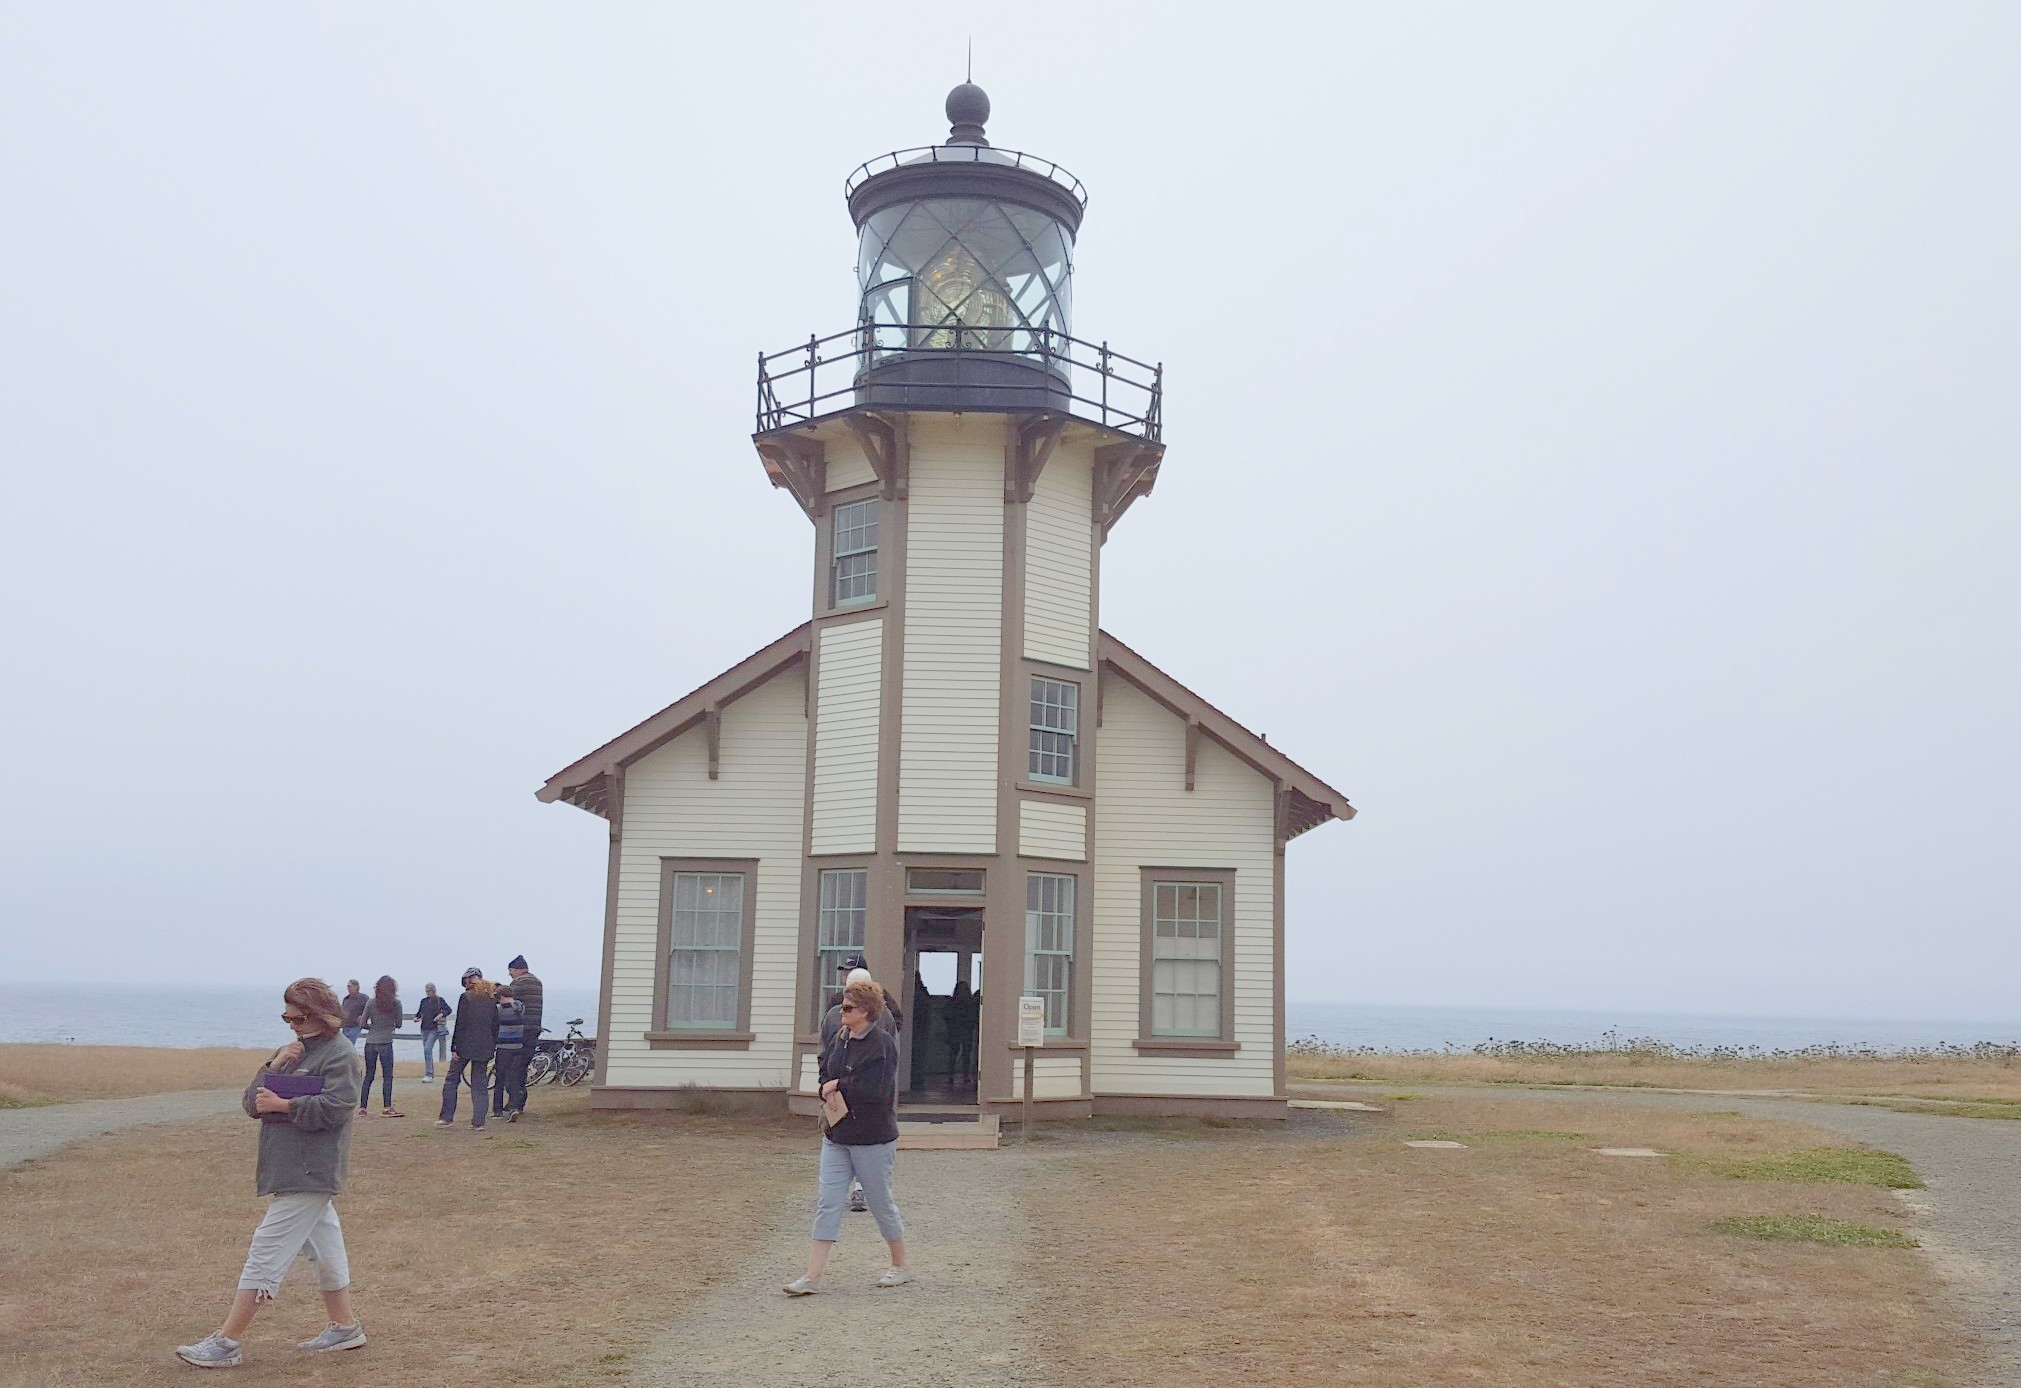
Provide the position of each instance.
(969, 1132)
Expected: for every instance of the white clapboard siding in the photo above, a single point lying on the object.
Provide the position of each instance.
(848, 466)
(1060, 562)
(846, 700)
(1047, 829)
(947, 769)
(1149, 819)
(752, 810)
(1053, 1076)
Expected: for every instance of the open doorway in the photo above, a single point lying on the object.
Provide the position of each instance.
(943, 1005)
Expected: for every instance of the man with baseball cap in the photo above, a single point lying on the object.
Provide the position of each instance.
(472, 1044)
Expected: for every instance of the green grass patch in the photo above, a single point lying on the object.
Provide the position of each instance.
(1854, 1166)
(1810, 1228)
(1947, 1108)
(1402, 1098)
(1511, 1135)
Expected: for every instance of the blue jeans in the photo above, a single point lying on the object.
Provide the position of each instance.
(352, 1034)
(869, 1165)
(379, 1054)
(431, 1039)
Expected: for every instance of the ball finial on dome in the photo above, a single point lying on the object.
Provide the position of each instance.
(967, 109)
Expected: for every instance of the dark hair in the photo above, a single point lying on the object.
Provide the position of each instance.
(386, 994)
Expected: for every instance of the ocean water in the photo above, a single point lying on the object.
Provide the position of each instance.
(126, 1015)
(180, 1015)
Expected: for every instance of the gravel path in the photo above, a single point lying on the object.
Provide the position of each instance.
(1969, 1218)
(28, 1133)
(965, 1214)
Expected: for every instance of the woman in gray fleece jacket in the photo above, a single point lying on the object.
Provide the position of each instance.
(304, 1143)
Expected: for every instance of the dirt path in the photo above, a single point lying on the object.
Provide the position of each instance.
(28, 1133)
(963, 1318)
(1970, 1216)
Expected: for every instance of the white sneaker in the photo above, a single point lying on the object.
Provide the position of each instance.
(894, 1277)
(213, 1351)
(335, 1336)
(801, 1286)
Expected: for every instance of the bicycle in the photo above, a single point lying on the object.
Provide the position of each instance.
(569, 1062)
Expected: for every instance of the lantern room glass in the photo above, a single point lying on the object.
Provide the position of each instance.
(966, 273)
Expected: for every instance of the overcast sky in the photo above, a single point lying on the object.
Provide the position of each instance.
(1593, 438)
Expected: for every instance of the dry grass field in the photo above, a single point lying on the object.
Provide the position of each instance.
(547, 1253)
(33, 1074)
(1993, 1082)
(1335, 1255)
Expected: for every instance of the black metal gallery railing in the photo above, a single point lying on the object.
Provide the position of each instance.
(967, 154)
(947, 366)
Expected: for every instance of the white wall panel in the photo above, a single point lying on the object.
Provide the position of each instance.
(754, 809)
(1060, 562)
(849, 678)
(947, 770)
(1148, 818)
(1047, 829)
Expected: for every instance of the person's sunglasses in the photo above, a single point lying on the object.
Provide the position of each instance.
(294, 1019)
(850, 1007)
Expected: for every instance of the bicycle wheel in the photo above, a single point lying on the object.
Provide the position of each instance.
(536, 1069)
(575, 1068)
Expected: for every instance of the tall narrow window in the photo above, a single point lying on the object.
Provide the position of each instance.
(705, 957)
(1186, 958)
(845, 900)
(1049, 946)
(855, 550)
(1055, 731)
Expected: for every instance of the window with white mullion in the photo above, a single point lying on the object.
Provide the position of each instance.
(844, 913)
(705, 955)
(1055, 730)
(854, 540)
(1049, 946)
(1186, 959)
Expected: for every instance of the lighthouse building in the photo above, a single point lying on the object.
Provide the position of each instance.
(950, 769)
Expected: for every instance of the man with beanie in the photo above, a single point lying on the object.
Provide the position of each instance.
(526, 988)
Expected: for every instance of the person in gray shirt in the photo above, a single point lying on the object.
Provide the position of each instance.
(305, 1144)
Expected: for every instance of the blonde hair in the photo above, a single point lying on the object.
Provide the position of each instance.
(483, 987)
(867, 994)
(318, 999)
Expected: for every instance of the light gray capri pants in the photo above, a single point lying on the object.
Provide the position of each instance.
(871, 1166)
(305, 1224)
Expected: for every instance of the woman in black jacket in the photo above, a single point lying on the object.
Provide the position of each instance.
(473, 1043)
(861, 1065)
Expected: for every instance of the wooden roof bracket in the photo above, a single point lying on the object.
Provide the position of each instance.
(887, 447)
(1123, 472)
(1192, 749)
(712, 721)
(800, 465)
(1027, 452)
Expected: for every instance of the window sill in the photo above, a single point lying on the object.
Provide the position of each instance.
(700, 1040)
(1185, 1046)
(1058, 788)
(856, 609)
(1056, 1043)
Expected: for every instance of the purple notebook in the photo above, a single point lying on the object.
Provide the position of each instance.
(290, 1087)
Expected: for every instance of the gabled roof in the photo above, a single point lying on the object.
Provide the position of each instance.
(1308, 801)
(586, 782)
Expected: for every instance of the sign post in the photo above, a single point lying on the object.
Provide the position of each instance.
(1031, 1035)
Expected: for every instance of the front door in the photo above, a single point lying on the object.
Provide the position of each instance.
(942, 1004)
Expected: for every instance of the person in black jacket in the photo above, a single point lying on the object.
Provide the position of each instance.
(861, 1066)
(433, 1015)
(473, 1043)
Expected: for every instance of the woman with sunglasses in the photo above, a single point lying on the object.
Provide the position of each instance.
(304, 1143)
(861, 1065)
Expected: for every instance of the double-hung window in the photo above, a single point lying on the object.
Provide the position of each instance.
(705, 951)
(844, 908)
(854, 565)
(1188, 935)
(1055, 730)
(1049, 946)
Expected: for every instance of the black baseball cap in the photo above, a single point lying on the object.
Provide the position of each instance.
(854, 961)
